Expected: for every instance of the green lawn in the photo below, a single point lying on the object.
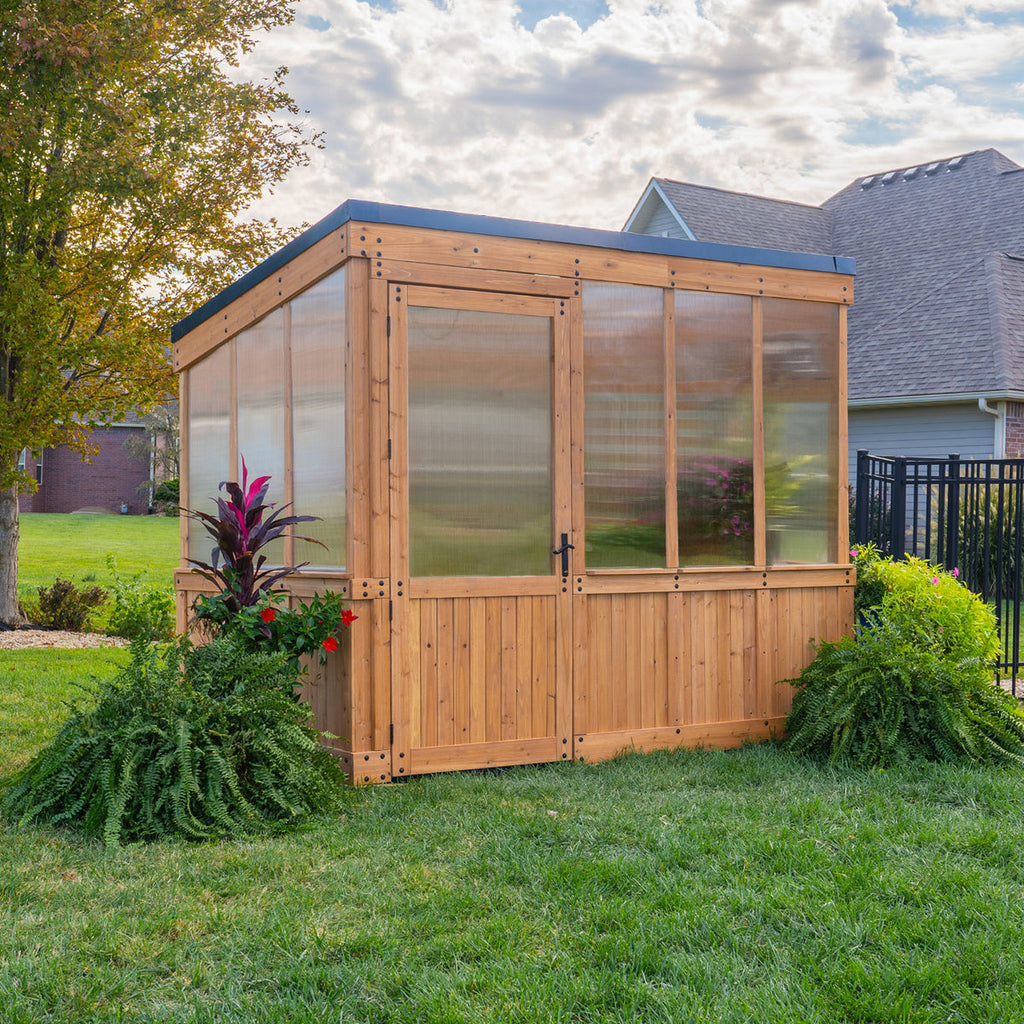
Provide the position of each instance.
(75, 547)
(695, 886)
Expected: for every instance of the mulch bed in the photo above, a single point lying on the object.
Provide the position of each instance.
(34, 636)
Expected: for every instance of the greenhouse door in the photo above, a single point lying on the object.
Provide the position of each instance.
(481, 641)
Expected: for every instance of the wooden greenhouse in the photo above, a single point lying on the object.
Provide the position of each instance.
(585, 490)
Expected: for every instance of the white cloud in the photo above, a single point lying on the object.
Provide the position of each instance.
(460, 106)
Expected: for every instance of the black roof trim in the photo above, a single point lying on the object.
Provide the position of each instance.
(411, 216)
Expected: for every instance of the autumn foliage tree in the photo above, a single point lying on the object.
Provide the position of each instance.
(131, 146)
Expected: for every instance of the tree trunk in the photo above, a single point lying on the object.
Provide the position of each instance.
(10, 613)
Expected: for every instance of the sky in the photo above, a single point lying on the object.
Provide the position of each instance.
(562, 110)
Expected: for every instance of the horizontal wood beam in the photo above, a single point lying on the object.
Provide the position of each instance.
(717, 735)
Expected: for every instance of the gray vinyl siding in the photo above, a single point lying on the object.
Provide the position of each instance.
(662, 220)
(925, 431)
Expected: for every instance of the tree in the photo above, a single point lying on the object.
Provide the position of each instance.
(130, 147)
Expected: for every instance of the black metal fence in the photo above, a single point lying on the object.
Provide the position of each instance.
(962, 513)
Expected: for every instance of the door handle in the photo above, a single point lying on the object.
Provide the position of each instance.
(564, 552)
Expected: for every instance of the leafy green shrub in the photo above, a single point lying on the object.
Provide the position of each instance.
(65, 606)
(169, 490)
(916, 680)
(139, 610)
(202, 743)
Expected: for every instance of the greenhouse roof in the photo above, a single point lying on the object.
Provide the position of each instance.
(503, 227)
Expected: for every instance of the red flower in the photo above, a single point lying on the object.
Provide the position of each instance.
(330, 644)
(268, 614)
(348, 617)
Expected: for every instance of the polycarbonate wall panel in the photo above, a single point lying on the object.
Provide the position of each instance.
(714, 428)
(318, 419)
(209, 440)
(260, 390)
(624, 428)
(480, 450)
(801, 430)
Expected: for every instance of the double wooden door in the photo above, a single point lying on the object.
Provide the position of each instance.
(480, 472)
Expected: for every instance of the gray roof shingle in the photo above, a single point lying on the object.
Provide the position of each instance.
(738, 218)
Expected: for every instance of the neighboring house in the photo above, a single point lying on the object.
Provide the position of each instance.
(112, 480)
(936, 331)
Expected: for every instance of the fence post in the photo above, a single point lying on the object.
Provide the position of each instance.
(860, 526)
(898, 526)
(953, 514)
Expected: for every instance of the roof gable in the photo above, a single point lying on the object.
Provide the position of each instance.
(738, 218)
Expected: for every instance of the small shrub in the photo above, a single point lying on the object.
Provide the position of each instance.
(65, 606)
(166, 498)
(139, 610)
(915, 681)
(168, 491)
(202, 743)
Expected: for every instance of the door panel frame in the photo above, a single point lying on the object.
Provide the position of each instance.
(406, 593)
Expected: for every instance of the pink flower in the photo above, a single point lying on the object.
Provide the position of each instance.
(854, 552)
(956, 572)
(935, 579)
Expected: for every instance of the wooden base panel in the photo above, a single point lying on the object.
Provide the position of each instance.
(500, 753)
(717, 735)
(366, 767)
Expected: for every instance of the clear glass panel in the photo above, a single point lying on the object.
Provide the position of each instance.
(801, 430)
(318, 419)
(259, 369)
(480, 452)
(714, 429)
(209, 440)
(624, 428)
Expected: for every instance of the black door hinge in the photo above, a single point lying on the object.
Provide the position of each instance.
(389, 448)
(389, 326)
(391, 610)
(392, 732)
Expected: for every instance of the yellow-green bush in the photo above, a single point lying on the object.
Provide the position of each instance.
(915, 681)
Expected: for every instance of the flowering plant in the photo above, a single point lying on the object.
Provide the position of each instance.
(310, 629)
(247, 605)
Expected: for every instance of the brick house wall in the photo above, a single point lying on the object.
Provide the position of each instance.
(68, 483)
(1015, 430)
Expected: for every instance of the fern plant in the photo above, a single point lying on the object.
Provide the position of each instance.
(915, 681)
(202, 743)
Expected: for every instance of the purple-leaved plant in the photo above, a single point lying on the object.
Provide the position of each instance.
(241, 528)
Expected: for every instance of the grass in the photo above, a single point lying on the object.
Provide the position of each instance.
(691, 886)
(75, 547)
